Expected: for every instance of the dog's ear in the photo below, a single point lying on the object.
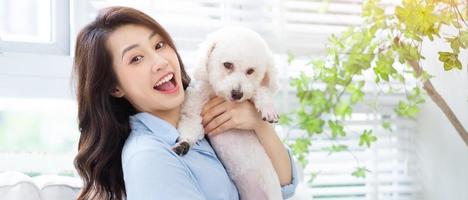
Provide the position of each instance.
(270, 77)
(202, 57)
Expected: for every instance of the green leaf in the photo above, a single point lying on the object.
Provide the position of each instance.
(464, 39)
(313, 176)
(450, 60)
(410, 108)
(367, 138)
(426, 76)
(335, 148)
(300, 149)
(356, 91)
(455, 44)
(343, 109)
(317, 99)
(312, 125)
(360, 172)
(415, 96)
(301, 145)
(418, 19)
(285, 119)
(290, 58)
(336, 129)
(407, 52)
(405, 109)
(384, 66)
(387, 125)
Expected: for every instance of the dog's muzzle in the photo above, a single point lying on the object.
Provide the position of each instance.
(236, 94)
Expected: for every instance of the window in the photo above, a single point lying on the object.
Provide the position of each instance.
(34, 26)
(38, 135)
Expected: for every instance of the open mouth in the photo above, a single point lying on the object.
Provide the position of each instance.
(167, 84)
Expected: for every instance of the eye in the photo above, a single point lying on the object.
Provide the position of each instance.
(250, 71)
(136, 59)
(228, 65)
(160, 45)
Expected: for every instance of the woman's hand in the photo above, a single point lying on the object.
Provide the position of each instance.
(220, 115)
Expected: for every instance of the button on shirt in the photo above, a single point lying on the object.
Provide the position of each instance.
(153, 171)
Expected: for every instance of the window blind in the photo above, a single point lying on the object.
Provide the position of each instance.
(300, 27)
(392, 159)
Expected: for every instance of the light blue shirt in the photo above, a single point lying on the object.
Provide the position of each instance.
(153, 171)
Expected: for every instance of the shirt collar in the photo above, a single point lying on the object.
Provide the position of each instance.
(156, 125)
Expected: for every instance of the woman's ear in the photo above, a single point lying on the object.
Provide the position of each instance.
(202, 57)
(117, 92)
(270, 78)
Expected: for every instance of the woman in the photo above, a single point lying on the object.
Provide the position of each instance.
(130, 84)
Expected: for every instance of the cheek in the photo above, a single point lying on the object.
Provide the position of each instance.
(124, 80)
(131, 80)
(177, 69)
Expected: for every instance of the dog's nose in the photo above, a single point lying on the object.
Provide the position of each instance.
(236, 94)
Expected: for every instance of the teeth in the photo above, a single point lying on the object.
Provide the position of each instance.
(165, 79)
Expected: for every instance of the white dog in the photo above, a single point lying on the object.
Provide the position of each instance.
(234, 63)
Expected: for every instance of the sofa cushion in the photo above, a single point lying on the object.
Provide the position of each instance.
(16, 185)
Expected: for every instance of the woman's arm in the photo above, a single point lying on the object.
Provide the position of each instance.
(220, 115)
(275, 149)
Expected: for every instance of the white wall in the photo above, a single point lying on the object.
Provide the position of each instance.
(442, 154)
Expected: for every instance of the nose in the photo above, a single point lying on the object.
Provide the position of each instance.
(159, 63)
(236, 94)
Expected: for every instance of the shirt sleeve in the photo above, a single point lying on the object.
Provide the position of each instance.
(289, 189)
(155, 174)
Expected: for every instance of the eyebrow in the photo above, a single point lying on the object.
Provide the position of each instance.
(135, 45)
(152, 34)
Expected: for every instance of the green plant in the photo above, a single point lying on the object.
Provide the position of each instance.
(389, 46)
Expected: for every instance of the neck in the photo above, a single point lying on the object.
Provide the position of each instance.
(170, 116)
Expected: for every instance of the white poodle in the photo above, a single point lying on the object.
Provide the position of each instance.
(234, 63)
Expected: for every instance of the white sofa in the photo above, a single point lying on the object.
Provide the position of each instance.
(18, 186)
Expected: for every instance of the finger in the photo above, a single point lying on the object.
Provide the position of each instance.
(214, 112)
(225, 126)
(217, 122)
(212, 103)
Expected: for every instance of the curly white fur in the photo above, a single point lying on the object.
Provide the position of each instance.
(240, 151)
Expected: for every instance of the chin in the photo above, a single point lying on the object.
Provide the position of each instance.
(176, 101)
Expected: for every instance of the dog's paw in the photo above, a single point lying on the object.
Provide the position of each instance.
(181, 148)
(270, 116)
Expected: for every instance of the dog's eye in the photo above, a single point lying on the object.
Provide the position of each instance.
(250, 71)
(228, 65)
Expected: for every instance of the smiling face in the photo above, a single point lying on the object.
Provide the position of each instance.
(147, 70)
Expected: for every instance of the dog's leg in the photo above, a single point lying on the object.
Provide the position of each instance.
(263, 101)
(190, 124)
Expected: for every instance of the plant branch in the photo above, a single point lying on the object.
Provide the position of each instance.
(437, 98)
(455, 6)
